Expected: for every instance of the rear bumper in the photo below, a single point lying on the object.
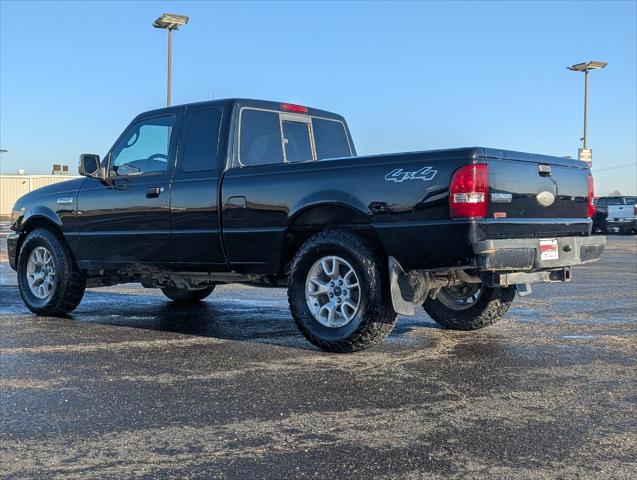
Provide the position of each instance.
(622, 224)
(523, 255)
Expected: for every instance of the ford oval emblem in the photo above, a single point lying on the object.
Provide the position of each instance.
(546, 199)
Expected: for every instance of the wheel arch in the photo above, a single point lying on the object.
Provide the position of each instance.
(35, 221)
(318, 217)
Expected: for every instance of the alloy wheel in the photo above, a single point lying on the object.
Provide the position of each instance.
(333, 292)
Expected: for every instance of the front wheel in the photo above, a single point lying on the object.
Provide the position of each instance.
(469, 306)
(181, 295)
(49, 280)
(338, 293)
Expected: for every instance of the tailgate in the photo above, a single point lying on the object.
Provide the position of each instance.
(617, 212)
(536, 196)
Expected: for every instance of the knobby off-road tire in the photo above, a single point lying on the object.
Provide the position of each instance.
(374, 317)
(181, 295)
(65, 285)
(490, 306)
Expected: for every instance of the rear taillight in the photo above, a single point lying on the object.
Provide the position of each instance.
(590, 211)
(468, 192)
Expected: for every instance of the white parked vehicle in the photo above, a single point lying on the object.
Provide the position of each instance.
(621, 213)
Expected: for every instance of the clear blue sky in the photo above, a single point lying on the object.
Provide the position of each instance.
(407, 76)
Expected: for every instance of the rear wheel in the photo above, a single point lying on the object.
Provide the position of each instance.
(469, 306)
(49, 280)
(181, 295)
(338, 293)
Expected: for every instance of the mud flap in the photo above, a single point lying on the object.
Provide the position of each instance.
(401, 292)
(523, 289)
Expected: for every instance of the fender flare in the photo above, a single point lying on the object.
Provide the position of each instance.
(334, 198)
(39, 212)
(340, 202)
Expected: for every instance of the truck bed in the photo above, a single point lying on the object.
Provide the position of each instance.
(405, 198)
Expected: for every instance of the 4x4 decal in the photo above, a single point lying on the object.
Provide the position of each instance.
(399, 175)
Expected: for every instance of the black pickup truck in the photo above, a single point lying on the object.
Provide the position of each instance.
(259, 192)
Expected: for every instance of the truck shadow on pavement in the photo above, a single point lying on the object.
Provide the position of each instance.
(215, 317)
(259, 318)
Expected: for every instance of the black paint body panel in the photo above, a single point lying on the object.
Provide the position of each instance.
(410, 217)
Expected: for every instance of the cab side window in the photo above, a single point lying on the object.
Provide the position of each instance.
(143, 148)
(202, 139)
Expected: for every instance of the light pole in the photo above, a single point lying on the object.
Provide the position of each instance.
(2, 150)
(170, 22)
(586, 67)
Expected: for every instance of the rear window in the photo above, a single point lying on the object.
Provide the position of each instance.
(630, 200)
(267, 137)
(260, 138)
(296, 138)
(330, 138)
(612, 201)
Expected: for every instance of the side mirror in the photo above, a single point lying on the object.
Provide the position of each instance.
(89, 165)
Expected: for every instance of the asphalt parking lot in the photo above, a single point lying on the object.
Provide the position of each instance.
(132, 386)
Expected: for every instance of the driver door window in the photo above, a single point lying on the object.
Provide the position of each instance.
(144, 148)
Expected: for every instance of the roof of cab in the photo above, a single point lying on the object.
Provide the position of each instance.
(245, 102)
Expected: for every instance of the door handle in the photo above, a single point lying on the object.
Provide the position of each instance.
(237, 202)
(544, 170)
(153, 192)
(237, 207)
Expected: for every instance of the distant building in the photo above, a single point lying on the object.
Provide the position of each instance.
(60, 169)
(13, 187)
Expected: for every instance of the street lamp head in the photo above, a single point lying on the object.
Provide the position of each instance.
(586, 66)
(595, 65)
(170, 21)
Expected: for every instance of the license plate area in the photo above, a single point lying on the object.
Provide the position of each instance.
(549, 249)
